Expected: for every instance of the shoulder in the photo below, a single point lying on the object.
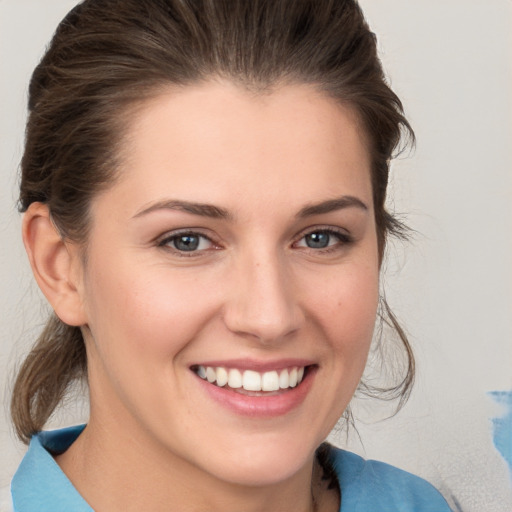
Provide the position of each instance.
(369, 485)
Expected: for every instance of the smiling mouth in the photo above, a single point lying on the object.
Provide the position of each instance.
(252, 381)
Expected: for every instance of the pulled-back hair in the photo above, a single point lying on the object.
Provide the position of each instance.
(109, 55)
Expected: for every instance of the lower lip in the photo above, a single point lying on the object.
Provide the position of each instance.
(262, 406)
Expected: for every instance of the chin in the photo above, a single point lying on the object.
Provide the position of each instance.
(261, 463)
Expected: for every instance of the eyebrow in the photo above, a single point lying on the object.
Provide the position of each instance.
(216, 212)
(201, 209)
(332, 205)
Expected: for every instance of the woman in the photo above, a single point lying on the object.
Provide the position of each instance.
(203, 186)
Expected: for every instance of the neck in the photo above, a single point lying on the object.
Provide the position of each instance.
(110, 468)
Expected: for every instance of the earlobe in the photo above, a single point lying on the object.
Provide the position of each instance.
(55, 264)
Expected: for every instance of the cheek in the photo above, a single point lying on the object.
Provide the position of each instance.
(348, 311)
(148, 316)
(345, 319)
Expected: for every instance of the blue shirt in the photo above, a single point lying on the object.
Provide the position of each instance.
(39, 485)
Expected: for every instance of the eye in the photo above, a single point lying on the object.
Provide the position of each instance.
(323, 239)
(187, 242)
(318, 240)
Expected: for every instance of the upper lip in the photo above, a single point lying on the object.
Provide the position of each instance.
(256, 365)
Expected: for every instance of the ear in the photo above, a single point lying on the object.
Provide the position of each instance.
(56, 264)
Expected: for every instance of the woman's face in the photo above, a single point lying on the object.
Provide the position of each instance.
(239, 242)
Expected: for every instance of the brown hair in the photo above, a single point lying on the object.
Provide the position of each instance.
(107, 55)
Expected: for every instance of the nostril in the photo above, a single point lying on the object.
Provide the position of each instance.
(266, 328)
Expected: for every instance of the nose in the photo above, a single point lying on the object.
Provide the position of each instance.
(263, 302)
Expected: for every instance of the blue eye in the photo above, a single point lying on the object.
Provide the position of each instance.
(323, 239)
(186, 242)
(318, 240)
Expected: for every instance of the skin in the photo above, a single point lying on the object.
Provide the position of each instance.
(253, 290)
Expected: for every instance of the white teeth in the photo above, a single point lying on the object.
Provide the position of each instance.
(293, 377)
(270, 381)
(222, 377)
(251, 380)
(235, 378)
(284, 380)
(211, 375)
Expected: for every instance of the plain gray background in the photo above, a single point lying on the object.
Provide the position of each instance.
(450, 61)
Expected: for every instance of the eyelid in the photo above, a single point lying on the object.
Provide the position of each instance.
(324, 229)
(343, 236)
(162, 241)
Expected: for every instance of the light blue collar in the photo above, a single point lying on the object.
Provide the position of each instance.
(39, 479)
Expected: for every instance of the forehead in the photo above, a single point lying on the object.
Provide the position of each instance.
(207, 142)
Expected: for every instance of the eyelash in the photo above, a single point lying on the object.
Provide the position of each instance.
(166, 242)
(343, 239)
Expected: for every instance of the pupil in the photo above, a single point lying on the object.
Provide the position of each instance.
(187, 243)
(317, 240)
